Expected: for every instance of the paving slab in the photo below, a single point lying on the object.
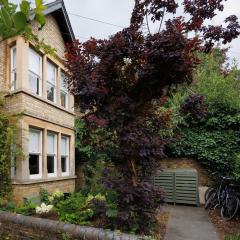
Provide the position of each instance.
(189, 223)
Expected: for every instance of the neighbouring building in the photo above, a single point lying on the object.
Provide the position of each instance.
(37, 87)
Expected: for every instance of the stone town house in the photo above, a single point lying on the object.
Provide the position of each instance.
(37, 88)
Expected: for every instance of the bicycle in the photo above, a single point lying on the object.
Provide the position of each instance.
(223, 196)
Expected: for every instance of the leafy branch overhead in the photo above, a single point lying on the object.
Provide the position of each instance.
(16, 20)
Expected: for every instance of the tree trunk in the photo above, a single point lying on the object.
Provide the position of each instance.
(134, 173)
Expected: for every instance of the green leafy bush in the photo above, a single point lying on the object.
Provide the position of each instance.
(236, 169)
(233, 237)
(75, 209)
(82, 209)
(94, 146)
(28, 208)
(215, 149)
(9, 148)
(213, 139)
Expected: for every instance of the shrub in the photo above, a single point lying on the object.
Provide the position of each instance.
(9, 149)
(28, 208)
(236, 168)
(211, 136)
(136, 204)
(194, 107)
(215, 149)
(75, 209)
(233, 237)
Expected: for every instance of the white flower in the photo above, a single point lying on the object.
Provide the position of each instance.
(127, 61)
(38, 210)
(43, 208)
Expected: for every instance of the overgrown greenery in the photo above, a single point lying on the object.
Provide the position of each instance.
(210, 130)
(8, 148)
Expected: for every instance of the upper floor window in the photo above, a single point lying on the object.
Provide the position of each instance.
(51, 82)
(35, 72)
(13, 68)
(64, 91)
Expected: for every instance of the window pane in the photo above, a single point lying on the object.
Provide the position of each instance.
(51, 73)
(50, 92)
(50, 164)
(34, 142)
(51, 144)
(34, 83)
(35, 62)
(63, 82)
(13, 68)
(13, 57)
(64, 164)
(63, 99)
(33, 164)
(13, 79)
(64, 145)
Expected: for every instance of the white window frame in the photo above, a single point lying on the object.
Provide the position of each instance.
(64, 90)
(54, 154)
(37, 75)
(67, 173)
(13, 69)
(52, 84)
(36, 176)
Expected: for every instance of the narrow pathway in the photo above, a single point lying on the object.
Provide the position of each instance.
(189, 223)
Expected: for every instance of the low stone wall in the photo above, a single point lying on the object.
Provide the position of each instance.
(21, 227)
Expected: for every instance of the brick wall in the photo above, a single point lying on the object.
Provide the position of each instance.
(21, 191)
(52, 35)
(203, 176)
(2, 65)
(34, 106)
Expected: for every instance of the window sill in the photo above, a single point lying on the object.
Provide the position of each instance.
(43, 180)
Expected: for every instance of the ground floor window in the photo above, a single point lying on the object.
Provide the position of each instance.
(35, 154)
(52, 154)
(65, 155)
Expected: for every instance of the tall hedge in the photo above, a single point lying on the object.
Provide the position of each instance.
(210, 131)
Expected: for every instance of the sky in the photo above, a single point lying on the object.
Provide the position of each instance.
(118, 12)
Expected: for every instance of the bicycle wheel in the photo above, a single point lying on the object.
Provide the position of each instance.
(230, 207)
(212, 199)
(208, 193)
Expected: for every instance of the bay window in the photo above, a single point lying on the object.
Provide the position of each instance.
(35, 153)
(51, 82)
(35, 72)
(13, 68)
(64, 91)
(65, 155)
(51, 155)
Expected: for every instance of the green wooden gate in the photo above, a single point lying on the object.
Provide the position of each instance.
(180, 185)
